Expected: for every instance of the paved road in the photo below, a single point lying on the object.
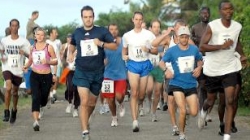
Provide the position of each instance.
(56, 125)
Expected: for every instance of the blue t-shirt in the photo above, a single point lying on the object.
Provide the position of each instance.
(183, 63)
(90, 63)
(115, 68)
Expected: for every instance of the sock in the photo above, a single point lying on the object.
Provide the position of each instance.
(85, 131)
(226, 137)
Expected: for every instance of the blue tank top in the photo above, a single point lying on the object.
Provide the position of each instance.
(115, 68)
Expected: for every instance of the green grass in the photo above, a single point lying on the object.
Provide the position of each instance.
(244, 111)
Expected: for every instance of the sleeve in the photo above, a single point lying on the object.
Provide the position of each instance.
(108, 36)
(124, 41)
(198, 55)
(166, 56)
(1, 45)
(73, 39)
(27, 46)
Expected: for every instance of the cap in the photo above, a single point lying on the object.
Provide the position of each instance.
(69, 35)
(183, 30)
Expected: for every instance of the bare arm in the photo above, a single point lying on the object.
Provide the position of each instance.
(205, 47)
(125, 53)
(161, 40)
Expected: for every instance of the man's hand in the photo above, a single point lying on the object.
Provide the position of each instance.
(125, 57)
(168, 74)
(197, 72)
(227, 44)
(98, 42)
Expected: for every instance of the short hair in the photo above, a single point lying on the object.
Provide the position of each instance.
(223, 1)
(35, 12)
(87, 8)
(138, 12)
(112, 24)
(155, 20)
(14, 20)
(205, 8)
(181, 22)
(51, 29)
(7, 31)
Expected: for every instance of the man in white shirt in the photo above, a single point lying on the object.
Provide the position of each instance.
(221, 66)
(13, 51)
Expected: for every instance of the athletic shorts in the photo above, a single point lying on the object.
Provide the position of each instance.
(158, 74)
(214, 84)
(88, 79)
(15, 80)
(187, 92)
(120, 87)
(142, 68)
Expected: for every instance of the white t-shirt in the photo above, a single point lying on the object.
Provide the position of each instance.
(135, 41)
(15, 61)
(222, 62)
(57, 45)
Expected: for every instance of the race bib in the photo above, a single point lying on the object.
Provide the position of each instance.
(154, 59)
(222, 38)
(14, 60)
(88, 48)
(108, 86)
(138, 52)
(38, 56)
(186, 64)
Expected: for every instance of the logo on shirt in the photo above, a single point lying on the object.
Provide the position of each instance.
(87, 33)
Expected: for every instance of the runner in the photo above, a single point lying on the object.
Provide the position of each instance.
(42, 55)
(115, 85)
(220, 41)
(187, 64)
(137, 46)
(13, 51)
(90, 42)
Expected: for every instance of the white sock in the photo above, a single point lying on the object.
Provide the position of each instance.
(203, 113)
(226, 137)
(85, 131)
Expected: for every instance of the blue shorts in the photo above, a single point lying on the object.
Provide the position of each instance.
(26, 77)
(142, 68)
(89, 79)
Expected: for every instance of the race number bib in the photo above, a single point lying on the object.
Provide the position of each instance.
(186, 64)
(14, 60)
(38, 56)
(138, 52)
(88, 48)
(222, 38)
(108, 86)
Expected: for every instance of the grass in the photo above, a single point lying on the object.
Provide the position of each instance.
(244, 111)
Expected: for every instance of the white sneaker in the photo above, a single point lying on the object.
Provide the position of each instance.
(102, 109)
(122, 110)
(159, 106)
(106, 108)
(75, 113)
(208, 118)
(68, 108)
(141, 112)
(41, 112)
(114, 122)
(85, 136)
(201, 119)
(175, 131)
(135, 126)
(154, 118)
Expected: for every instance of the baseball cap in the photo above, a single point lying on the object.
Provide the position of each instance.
(183, 30)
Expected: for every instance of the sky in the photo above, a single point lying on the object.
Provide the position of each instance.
(55, 12)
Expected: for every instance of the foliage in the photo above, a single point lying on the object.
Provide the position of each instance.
(63, 30)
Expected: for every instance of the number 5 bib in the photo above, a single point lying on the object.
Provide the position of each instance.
(88, 48)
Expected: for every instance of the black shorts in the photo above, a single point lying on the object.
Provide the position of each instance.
(15, 80)
(218, 83)
(187, 92)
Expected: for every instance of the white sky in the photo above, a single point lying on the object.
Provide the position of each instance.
(55, 12)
